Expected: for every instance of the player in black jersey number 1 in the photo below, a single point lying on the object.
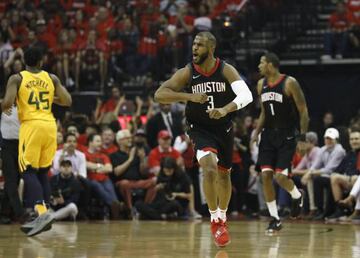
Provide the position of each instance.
(282, 104)
(212, 90)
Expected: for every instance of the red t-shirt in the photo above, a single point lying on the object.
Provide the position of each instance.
(103, 27)
(97, 157)
(340, 22)
(109, 105)
(296, 159)
(157, 154)
(113, 148)
(82, 139)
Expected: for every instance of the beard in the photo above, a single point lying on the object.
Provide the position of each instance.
(202, 58)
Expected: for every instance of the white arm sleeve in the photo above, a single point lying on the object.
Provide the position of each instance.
(243, 94)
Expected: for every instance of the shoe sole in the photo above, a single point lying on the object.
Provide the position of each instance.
(28, 229)
(223, 245)
(38, 231)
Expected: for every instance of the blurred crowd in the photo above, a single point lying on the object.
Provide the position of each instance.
(94, 43)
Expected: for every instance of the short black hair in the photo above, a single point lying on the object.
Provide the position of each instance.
(67, 135)
(65, 162)
(91, 137)
(209, 36)
(272, 58)
(168, 162)
(33, 56)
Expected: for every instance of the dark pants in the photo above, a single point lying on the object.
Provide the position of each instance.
(321, 184)
(336, 42)
(105, 190)
(85, 195)
(159, 206)
(9, 156)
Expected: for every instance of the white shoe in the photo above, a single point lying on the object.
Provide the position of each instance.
(338, 56)
(326, 57)
(195, 215)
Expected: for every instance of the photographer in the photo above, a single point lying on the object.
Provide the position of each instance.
(78, 161)
(65, 192)
(130, 168)
(173, 193)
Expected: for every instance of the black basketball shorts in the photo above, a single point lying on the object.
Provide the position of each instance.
(218, 139)
(276, 149)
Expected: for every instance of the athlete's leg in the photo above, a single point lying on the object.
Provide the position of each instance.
(44, 181)
(285, 182)
(224, 188)
(33, 191)
(267, 182)
(269, 191)
(208, 162)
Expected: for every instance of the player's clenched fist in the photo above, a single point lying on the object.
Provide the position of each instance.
(216, 113)
(199, 98)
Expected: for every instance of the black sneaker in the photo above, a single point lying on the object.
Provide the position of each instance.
(296, 206)
(336, 215)
(40, 224)
(274, 226)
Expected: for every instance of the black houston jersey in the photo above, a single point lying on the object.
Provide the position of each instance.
(216, 87)
(280, 110)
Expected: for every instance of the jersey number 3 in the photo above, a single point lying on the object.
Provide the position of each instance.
(211, 103)
(43, 100)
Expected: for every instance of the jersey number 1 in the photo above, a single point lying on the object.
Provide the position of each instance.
(34, 100)
(272, 109)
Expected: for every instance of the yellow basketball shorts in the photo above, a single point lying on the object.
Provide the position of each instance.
(37, 144)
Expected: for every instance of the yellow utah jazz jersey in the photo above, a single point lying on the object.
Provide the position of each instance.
(35, 96)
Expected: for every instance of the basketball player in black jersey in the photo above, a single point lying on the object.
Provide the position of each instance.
(213, 90)
(282, 103)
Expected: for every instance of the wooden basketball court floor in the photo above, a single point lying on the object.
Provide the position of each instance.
(137, 239)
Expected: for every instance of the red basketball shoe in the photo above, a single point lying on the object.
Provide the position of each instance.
(221, 235)
(214, 226)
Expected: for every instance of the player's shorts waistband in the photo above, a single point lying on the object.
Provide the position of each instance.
(207, 127)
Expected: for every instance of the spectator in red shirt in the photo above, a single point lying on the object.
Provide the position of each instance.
(108, 138)
(47, 37)
(105, 22)
(336, 40)
(163, 150)
(99, 166)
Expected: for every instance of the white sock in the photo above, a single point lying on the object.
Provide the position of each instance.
(214, 216)
(273, 209)
(295, 193)
(222, 214)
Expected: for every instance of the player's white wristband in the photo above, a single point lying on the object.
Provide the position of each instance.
(243, 94)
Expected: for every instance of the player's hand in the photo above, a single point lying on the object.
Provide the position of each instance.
(216, 113)
(199, 98)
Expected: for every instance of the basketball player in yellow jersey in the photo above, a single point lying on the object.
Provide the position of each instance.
(35, 91)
